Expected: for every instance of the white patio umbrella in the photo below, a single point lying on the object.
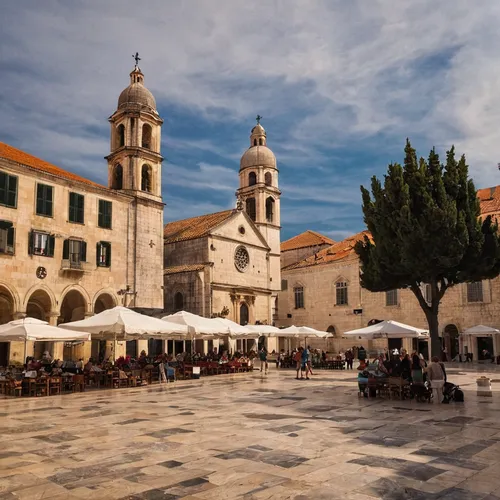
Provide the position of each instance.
(237, 331)
(301, 332)
(31, 329)
(481, 331)
(264, 330)
(197, 325)
(388, 329)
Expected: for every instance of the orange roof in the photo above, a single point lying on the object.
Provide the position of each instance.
(304, 240)
(335, 252)
(18, 156)
(184, 268)
(195, 227)
(489, 200)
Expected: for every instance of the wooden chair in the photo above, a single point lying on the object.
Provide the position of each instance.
(42, 386)
(398, 387)
(78, 383)
(67, 384)
(15, 388)
(55, 385)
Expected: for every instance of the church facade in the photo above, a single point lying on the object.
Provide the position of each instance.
(228, 263)
(69, 247)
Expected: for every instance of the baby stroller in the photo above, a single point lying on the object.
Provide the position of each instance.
(452, 392)
(421, 392)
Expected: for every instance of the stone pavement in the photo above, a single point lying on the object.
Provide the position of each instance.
(251, 436)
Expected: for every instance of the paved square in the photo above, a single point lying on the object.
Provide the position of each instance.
(252, 437)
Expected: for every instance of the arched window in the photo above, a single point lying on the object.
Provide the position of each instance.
(251, 208)
(146, 178)
(146, 136)
(117, 177)
(341, 293)
(298, 293)
(252, 179)
(244, 316)
(261, 142)
(121, 135)
(255, 142)
(331, 329)
(268, 179)
(270, 209)
(178, 302)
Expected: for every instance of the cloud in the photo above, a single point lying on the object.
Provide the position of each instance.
(340, 86)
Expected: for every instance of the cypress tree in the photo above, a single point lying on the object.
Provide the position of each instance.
(426, 229)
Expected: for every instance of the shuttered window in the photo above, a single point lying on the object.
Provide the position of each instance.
(41, 243)
(8, 190)
(76, 208)
(104, 215)
(44, 200)
(103, 254)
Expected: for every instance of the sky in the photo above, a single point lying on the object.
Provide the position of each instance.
(339, 84)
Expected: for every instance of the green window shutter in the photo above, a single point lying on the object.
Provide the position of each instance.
(39, 198)
(100, 216)
(3, 188)
(48, 201)
(51, 242)
(66, 249)
(11, 237)
(109, 214)
(30, 243)
(83, 251)
(12, 193)
(71, 214)
(108, 255)
(81, 206)
(97, 254)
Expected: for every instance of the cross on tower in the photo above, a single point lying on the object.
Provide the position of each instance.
(137, 58)
(258, 118)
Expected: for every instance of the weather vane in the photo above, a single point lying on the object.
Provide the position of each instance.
(259, 118)
(137, 58)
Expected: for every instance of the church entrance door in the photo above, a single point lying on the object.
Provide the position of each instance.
(243, 314)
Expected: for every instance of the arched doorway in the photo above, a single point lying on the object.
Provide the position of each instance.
(73, 308)
(6, 315)
(450, 340)
(39, 306)
(331, 329)
(103, 302)
(244, 315)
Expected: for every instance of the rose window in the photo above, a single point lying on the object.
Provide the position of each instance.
(241, 259)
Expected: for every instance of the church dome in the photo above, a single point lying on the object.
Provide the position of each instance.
(136, 94)
(256, 156)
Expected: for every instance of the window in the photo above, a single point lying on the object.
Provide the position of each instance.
(391, 298)
(8, 190)
(427, 293)
(103, 254)
(260, 142)
(146, 136)
(269, 209)
(41, 243)
(104, 215)
(75, 251)
(298, 293)
(241, 259)
(7, 234)
(76, 208)
(341, 289)
(178, 302)
(284, 285)
(146, 178)
(121, 135)
(268, 179)
(251, 208)
(252, 179)
(475, 291)
(44, 200)
(117, 182)
(255, 142)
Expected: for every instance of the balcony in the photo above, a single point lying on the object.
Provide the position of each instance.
(73, 265)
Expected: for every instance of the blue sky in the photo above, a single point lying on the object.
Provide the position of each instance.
(340, 85)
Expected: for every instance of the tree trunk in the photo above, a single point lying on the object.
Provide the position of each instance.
(433, 322)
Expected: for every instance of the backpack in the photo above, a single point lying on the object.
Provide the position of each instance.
(458, 395)
(298, 356)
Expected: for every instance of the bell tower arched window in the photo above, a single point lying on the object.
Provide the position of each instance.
(120, 136)
(260, 142)
(146, 136)
(251, 208)
(268, 179)
(146, 178)
(117, 182)
(270, 209)
(255, 142)
(252, 179)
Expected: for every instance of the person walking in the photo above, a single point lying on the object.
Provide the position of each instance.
(297, 357)
(361, 353)
(349, 358)
(305, 358)
(436, 377)
(263, 359)
(309, 362)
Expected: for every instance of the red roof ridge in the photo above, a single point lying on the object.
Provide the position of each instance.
(308, 238)
(18, 156)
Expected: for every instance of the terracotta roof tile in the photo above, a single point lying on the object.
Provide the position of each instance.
(18, 156)
(489, 200)
(335, 252)
(184, 268)
(304, 240)
(195, 227)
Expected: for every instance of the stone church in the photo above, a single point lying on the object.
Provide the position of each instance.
(228, 263)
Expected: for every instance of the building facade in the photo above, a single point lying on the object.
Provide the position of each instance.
(69, 247)
(228, 263)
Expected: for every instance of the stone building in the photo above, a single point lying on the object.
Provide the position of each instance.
(229, 262)
(323, 291)
(69, 247)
